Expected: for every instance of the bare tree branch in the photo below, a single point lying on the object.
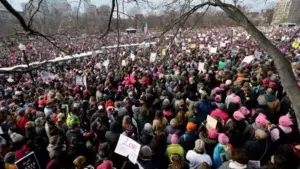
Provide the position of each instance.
(32, 17)
(77, 14)
(109, 20)
(26, 27)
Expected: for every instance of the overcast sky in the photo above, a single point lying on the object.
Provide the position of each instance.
(255, 5)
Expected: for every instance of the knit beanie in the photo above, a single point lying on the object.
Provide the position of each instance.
(223, 139)
(199, 145)
(15, 137)
(261, 120)
(212, 133)
(174, 139)
(285, 121)
(105, 165)
(237, 115)
(191, 126)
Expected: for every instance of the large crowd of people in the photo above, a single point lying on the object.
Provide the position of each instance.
(191, 101)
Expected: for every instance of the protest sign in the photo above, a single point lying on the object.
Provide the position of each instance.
(211, 122)
(152, 57)
(127, 147)
(201, 66)
(257, 54)
(164, 52)
(79, 80)
(295, 45)
(193, 46)
(222, 45)
(213, 50)
(85, 81)
(97, 66)
(132, 56)
(124, 63)
(248, 59)
(47, 76)
(106, 63)
(28, 162)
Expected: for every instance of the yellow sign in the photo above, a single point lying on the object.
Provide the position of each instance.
(193, 46)
(164, 52)
(295, 45)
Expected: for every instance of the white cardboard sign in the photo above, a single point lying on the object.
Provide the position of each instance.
(152, 57)
(201, 66)
(248, 59)
(127, 147)
(213, 50)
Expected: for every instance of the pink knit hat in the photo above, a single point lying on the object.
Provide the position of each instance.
(223, 139)
(218, 98)
(236, 99)
(261, 120)
(212, 133)
(244, 111)
(237, 115)
(217, 89)
(174, 139)
(105, 165)
(167, 113)
(285, 121)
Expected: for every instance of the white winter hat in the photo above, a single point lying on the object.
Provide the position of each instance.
(15, 137)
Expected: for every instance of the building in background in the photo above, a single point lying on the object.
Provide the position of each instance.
(286, 11)
(59, 6)
(86, 5)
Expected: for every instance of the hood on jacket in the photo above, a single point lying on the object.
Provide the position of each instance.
(270, 98)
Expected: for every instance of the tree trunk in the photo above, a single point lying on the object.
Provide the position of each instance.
(283, 66)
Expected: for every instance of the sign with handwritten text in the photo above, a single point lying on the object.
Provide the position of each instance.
(28, 162)
(127, 147)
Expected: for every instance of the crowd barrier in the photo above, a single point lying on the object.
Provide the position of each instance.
(69, 57)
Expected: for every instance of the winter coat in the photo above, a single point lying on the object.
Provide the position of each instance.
(210, 144)
(187, 140)
(145, 138)
(112, 136)
(42, 156)
(74, 135)
(237, 132)
(203, 107)
(273, 103)
(219, 150)
(196, 159)
(258, 150)
(143, 163)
